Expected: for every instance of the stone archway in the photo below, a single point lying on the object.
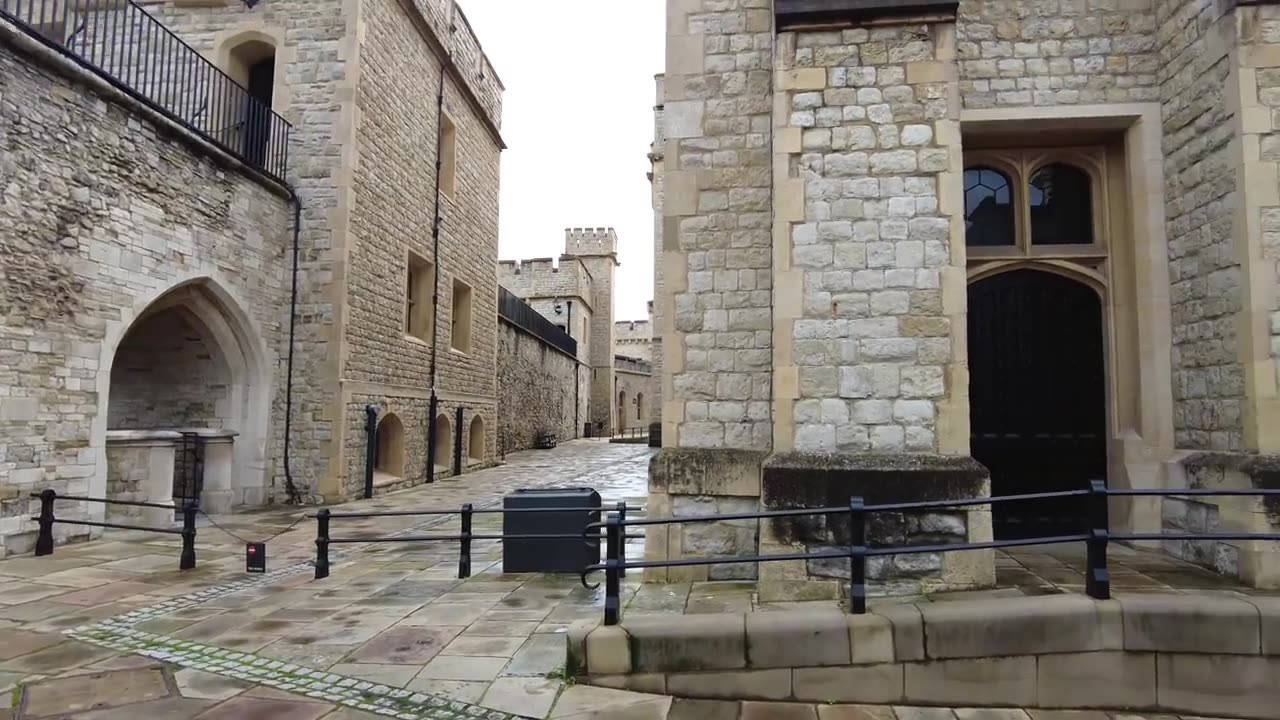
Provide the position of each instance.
(190, 361)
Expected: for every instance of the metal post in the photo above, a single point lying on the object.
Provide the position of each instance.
(433, 408)
(464, 558)
(857, 556)
(457, 445)
(188, 559)
(44, 541)
(612, 567)
(622, 547)
(370, 447)
(322, 544)
(1098, 580)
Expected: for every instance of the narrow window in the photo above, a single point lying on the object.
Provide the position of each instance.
(639, 406)
(448, 155)
(988, 208)
(419, 309)
(1061, 206)
(460, 338)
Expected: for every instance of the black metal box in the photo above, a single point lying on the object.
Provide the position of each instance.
(564, 555)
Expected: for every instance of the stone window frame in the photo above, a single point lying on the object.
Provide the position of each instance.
(461, 317)
(1019, 165)
(419, 278)
(443, 438)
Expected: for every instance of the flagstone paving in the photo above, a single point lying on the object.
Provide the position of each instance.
(111, 629)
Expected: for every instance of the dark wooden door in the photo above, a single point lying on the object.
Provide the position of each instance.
(257, 120)
(1037, 395)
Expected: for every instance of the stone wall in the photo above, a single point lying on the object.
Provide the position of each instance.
(871, 344)
(105, 208)
(1200, 196)
(166, 374)
(537, 392)
(717, 121)
(1057, 52)
(657, 305)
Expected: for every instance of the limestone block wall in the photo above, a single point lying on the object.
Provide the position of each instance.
(545, 277)
(868, 119)
(1053, 52)
(657, 164)
(536, 393)
(1200, 190)
(717, 212)
(167, 375)
(633, 338)
(597, 248)
(106, 207)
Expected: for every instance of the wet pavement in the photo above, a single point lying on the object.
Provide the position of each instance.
(111, 629)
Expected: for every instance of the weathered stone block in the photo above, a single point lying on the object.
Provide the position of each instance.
(697, 471)
(741, 685)
(870, 639)
(1219, 685)
(1269, 617)
(687, 643)
(608, 651)
(860, 684)
(908, 630)
(1097, 679)
(973, 682)
(1190, 624)
(797, 639)
(1011, 626)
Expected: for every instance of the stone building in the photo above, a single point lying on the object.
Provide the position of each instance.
(633, 373)
(920, 251)
(634, 338)
(656, 150)
(576, 294)
(258, 264)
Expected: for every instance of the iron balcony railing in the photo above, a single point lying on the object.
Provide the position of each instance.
(1096, 537)
(135, 52)
(522, 315)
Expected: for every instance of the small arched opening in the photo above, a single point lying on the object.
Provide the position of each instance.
(389, 453)
(640, 406)
(475, 440)
(443, 442)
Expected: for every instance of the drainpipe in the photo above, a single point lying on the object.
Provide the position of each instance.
(435, 291)
(295, 497)
(577, 421)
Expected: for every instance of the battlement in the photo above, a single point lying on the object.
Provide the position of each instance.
(640, 330)
(544, 278)
(591, 241)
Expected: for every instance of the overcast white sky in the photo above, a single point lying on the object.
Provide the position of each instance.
(578, 119)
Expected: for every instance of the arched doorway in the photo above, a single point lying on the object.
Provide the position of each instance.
(1037, 386)
(252, 64)
(190, 361)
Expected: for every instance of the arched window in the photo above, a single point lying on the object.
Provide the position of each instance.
(988, 208)
(622, 409)
(444, 441)
(639, 406)
(475, 440)
(389, 452)
(1061, 206)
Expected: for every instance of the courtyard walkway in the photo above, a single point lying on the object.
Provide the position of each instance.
(112, 630)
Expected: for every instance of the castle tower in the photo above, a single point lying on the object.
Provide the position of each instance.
(597, 249)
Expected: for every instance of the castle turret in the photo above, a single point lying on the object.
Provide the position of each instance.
(597, 249)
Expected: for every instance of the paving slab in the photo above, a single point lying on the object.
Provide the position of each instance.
(66, 696)
(406, 646)
(529, 697)
(253, 708)
(457, 667)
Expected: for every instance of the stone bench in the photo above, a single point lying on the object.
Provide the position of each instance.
(1205, 655)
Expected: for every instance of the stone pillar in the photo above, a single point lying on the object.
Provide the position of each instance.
(220, 489)
(714, 310)
(140, 468)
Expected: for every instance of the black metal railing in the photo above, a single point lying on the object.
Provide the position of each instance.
(47, 518)
(135, 52)
(464, 537)
(1097, 536)
(636, 433)
(519, 313)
